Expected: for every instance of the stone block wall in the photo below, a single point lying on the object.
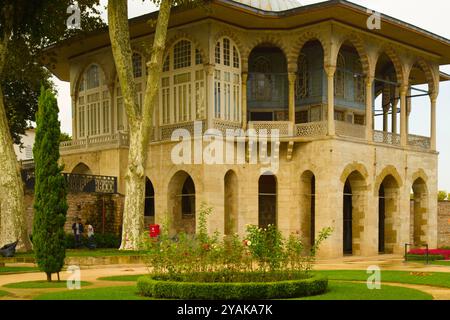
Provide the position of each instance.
(444, 223)
(104, 212)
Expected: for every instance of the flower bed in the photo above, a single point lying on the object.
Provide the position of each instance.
(434, 252)
(167, 287)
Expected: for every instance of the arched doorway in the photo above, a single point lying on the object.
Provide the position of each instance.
(308, 208)
(354, 194)
(388, 206)
(231, 203)
(82, 168)
(181, 203)
(268, 86)
(149, 207)
(267, 201)
(420, 212)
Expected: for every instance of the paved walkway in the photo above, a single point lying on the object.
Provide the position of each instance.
(91, 274)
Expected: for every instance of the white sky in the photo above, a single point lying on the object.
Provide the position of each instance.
(431, 15)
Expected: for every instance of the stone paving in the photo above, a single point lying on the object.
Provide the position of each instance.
(92, 273)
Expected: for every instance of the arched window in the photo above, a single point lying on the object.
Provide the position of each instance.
(227, 81)
(302, 85)
(188, 198)
(93, 116)
(262, 87)
(267, 200)
(182, 93)
(339, 77)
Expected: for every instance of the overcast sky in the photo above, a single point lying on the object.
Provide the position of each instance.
(431, 15)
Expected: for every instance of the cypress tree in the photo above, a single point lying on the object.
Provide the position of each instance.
(50, 189)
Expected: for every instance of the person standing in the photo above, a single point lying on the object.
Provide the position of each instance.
(90, 233)
(78, 230)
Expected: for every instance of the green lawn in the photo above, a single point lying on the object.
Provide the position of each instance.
(438, 279)
(359, 291)
(90, 253)
(3, 293)
(337, 291)
(108, 293)
(127, 278)
(9, 270)
(442, 262)
(42, 284)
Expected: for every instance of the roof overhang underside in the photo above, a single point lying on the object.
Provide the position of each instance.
(247, 17)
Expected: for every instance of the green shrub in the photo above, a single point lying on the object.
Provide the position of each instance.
(420, 257)
(152, 287)
(102, 241)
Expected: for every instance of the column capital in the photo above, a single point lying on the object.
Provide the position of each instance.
(209, 68)
(369, 80)
(433, 97)
(403, 89)
(330, 70)
(244, 77)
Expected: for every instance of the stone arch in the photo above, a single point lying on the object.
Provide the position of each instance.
(228, 33)
(356, 41)
(270, 39)
(388, 170)
(420, 174)
(433, 85)
(307, 207)
(82, 168)
(419, 215)
(354, 167)
(149, 205)
(178, 197)
(396, 61)
(185, 36)
(86, 65)
(231, 203)
(300, 43)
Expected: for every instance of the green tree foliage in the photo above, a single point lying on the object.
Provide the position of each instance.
(442, 195)
(50, 189)
(34, 25)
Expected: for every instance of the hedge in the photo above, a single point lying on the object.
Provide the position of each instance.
(155, 286)
(102, 241)
(420, 257)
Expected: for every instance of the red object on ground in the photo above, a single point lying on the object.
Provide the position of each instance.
(154, 230)
(441, 252)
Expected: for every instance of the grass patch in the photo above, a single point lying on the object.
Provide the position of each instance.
(90, 253)
(42, 284)
(337, 291)
(359, 291)
(441, 262)
(11, 270)
(127, 278)
(438, 279)
(3, 293)
(107, 293)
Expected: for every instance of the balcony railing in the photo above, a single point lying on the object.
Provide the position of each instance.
(91, 183)
(419, 142)
(311, 129)
(386, 138)
(117, 139)
(285, 128)
(346, 129)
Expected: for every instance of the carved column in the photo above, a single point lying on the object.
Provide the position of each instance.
(369, 109)
(292, 79)
(433, 99)
(403, 116)
(209, 70)
(330, 70)
(244, 100)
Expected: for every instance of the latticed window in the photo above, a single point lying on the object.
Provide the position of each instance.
(359, 119)
(182, 54)
(93, 116)
(137, 65)
(182, 95)
(227, 81)
(339, 77)
(358, 82)
(302, 84)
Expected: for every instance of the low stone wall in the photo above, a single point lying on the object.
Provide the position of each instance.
(103, 211)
